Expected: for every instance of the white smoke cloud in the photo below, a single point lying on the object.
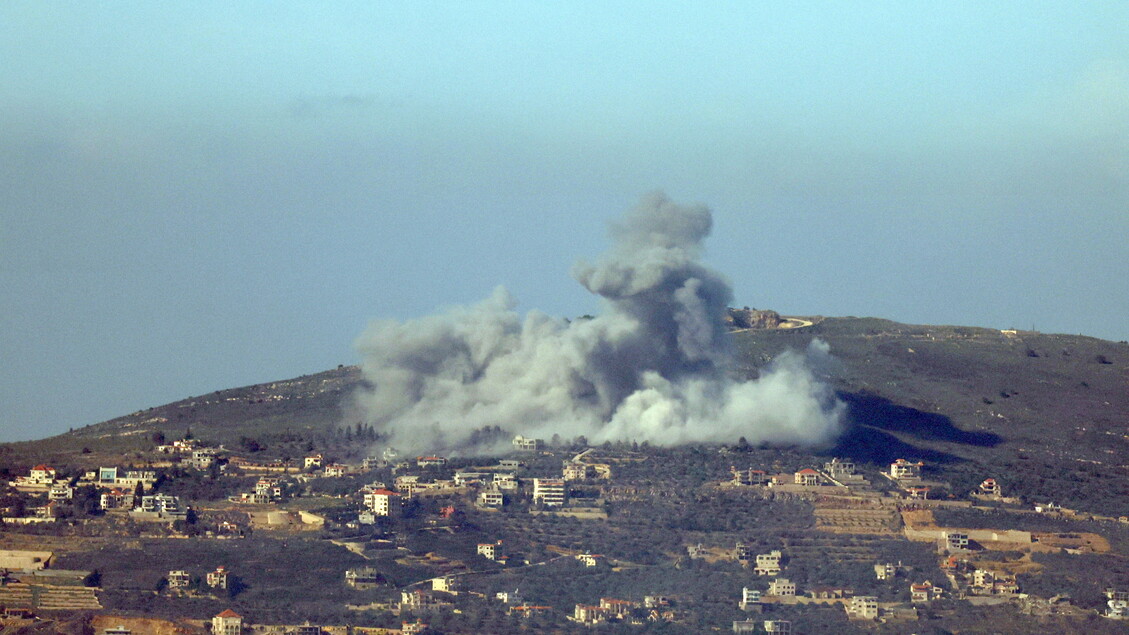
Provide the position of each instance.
(655, 366)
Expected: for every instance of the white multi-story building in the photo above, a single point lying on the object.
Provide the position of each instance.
(749, 598)
(768, 563)
(550, 492)
(383, 502)
(490, 498)
(527, 445)
(863, 607)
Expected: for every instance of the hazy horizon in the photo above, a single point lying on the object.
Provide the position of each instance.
(209, 196)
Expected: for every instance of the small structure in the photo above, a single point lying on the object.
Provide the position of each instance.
(778, 626)
(430, 461)
(590, 559)
(745, 626)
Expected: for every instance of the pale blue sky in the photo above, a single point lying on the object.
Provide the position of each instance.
(197, 196)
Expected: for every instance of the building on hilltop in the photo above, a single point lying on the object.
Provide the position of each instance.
(527, 445)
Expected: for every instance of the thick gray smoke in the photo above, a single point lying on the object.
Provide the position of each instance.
(655, 366)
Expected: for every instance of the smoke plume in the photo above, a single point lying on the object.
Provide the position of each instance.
(655, 366)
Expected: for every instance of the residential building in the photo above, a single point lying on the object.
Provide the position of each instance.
(990, 488)
(227, 623)
(588, 614)
(413, 628)
(590, 559)
(490, 550)
(550, 492)
(955, 541)
(60, 492)
(490, 498)
(768, 563)
(924, 592)
(430, 461)
(312, 461)
(41, 475)
(839, 469)
(527, 445)
(863, 607)
(749, 476)
(505, 481)
(220, 578)
(783, 627)
(179, 579)
(918, 493)
(472, 478)
(745, 626)
(903, 469)
(335, 470)
(161, 506)
(782, 587)
(617, 609)
(446, 584)
(383, 502)
(807, 477)
(885, 571)
(577, 471)
(509, 597)
(419, 600)
(743, 552)
(750, 598)
(362, 578)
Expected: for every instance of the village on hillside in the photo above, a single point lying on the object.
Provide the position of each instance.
(557, 536)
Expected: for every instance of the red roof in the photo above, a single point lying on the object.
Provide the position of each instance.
(43, 467)
(808, 471)
(383, 492)
(229, 613)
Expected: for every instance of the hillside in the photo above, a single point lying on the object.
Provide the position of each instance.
(1039, 412)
